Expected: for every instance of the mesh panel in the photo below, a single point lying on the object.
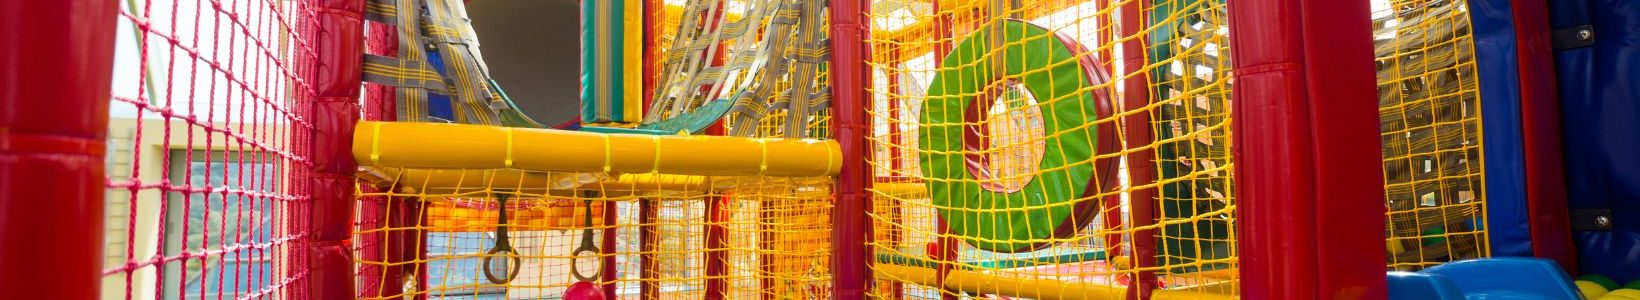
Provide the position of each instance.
(673, 236)
(1429, 110)
(201, 144)
(1006, 165)
(766, 235)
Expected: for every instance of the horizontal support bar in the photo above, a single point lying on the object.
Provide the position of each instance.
(459, 146)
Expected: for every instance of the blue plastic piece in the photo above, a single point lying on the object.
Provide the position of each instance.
(1495, 59)
(1492, 278)
(1600, 115)
(438, 105)
(1411, 285)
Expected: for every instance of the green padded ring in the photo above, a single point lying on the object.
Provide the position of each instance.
(1071, 90)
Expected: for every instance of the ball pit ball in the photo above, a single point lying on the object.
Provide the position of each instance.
(1614, 297)
(583, 290)
(1604, 281)
(1633, 285)
(1590, 289)
(1631, 293)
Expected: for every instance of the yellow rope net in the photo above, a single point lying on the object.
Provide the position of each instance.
(1043, 149)
(1006, 165)
(771, 233)
(674, 236)
(1429, 109)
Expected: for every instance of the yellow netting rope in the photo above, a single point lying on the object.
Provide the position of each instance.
(776, 230)
(1026, 127)
(1429, 107)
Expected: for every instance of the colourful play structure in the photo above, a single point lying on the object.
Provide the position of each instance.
(841, 149)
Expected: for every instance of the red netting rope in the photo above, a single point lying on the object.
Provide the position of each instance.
(211, 212)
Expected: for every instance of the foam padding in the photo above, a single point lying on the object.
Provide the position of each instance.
(611, 61)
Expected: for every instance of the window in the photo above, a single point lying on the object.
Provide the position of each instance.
(218, 223)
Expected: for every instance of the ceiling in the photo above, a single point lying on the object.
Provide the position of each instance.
(533, 50)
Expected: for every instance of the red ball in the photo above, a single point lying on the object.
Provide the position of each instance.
(933, 251)
(583, 290)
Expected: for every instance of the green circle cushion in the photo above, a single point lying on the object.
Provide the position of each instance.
(1060, 199)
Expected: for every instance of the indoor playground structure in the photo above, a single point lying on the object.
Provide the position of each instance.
(836, 149)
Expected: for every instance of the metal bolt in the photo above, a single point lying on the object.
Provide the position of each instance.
(1602, 221)
(1584, 34)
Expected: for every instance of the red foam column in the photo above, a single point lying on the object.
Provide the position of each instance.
(649, 288)
(654, 11)
(606, 249)
(945, 245)
(1547, 211)
(716, 252)
(332, 70)
(851, 228)
(1142, 160)
(1305, 113)
(56, 61)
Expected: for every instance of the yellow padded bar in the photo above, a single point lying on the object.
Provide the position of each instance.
(1046, 289)
(459, 146)
(518, 180)
(976, 282)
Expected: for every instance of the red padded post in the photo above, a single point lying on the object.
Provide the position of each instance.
(1547, 212)
(1305, 113)
(946, 244)
(334, 31)
(649, 287)
(606, 248)
(717, 236)
(1141, 163)
(56, 61)
(851, 227)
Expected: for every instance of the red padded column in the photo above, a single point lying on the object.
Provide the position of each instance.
(851, 228)
(334, 31)
(1311, 205)
(56, 61)
(1547, 211)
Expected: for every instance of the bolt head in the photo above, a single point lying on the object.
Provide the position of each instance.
(1603, 221)
(1584, 34)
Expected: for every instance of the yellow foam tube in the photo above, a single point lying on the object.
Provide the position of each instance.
(901, 189)
(980, 283)
(460, 146)
(443, 180)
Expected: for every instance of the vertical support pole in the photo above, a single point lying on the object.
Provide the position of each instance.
(1547, 211)
(945, 245)
(54, 87)
(717, 268)
(654, 11)
(765, 243)
(649, 288)
(851, 228)
(1306, 124)
(335, 31)
(606, 250)
(1141, 162)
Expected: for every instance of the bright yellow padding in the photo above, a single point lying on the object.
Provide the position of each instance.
(458, 146)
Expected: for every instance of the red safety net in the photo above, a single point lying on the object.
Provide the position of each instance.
(206, 191)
